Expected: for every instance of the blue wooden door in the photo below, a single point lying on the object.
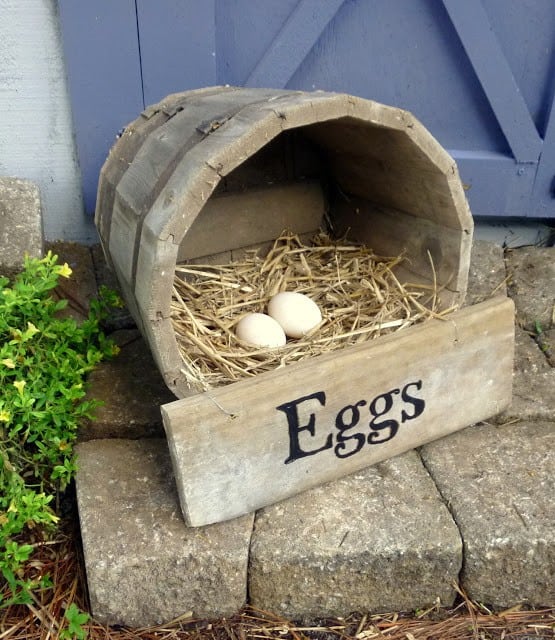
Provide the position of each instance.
(480, 74)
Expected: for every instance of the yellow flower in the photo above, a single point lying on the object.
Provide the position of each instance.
(19, 385)
(64, 270)
(31, 330)
(8, 362)
(4, 416)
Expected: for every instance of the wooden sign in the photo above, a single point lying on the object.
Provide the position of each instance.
(255, 442)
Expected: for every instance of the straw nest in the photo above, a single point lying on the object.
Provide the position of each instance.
(357, 292)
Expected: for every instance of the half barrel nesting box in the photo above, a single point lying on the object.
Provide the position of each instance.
(206, 173)
(209, 171)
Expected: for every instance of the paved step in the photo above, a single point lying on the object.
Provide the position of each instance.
(531, 272)
(144, 566)
(131, 390)
(20, 223)
(533, 383)
(499, 484)
(486, 274)
(355, 544)
(379, 540)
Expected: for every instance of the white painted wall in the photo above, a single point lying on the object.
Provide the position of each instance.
(36, 134)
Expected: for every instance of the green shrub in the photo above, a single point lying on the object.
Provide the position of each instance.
(44, 360)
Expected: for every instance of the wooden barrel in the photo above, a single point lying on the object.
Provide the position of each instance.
(207, 172)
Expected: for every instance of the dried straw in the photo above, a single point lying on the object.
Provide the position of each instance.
(358, 293)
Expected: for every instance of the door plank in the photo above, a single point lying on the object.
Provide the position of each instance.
(178, 49)
(484, 52)
(104, 71)
(543, 197)
(293, 43)
(236, 220)
(492, 183)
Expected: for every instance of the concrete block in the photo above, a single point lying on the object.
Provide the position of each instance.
(131, 390)
(379, 540)
(511, 234)
(532, 285)
(500, 486)
(144, 566)
(20, 223)
(486, 275)
(533, 383)
(546, 342)
(529, 358)
(533, 377)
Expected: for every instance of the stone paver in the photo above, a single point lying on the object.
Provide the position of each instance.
(533, 383)
(20, 223)
(528, 356)
(546, 342)
(131, 389)
(144, 566)
(378, 540)
(487, 275)
(532, 285)
(533, 379)
(500, 486)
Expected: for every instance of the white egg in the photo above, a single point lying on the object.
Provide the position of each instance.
(295, 312)
(260, 330)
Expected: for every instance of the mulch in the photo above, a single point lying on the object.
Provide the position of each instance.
(43, 619)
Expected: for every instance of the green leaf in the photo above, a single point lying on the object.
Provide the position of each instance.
(44, 360)
(76, 619)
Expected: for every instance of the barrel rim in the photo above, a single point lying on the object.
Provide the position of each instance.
(228, 145)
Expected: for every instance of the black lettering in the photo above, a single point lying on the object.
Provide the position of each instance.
(343, 425)
(389, 427)
(291, 411)
(418, 403)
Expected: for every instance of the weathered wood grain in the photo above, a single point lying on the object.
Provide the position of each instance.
(197, 146)
(127, 146)
(435, 255)
(255, 442)
(238, 220)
